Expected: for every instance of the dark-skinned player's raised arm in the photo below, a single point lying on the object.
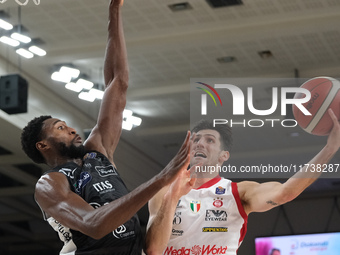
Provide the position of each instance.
(105, 135)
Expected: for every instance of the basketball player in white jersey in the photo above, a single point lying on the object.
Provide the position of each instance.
(208, 214)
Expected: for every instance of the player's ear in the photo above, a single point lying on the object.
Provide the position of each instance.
(224, 156)
(41, 146)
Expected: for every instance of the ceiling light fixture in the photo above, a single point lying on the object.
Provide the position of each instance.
(5, 25)
(227, 59)
(266, 54)
(69, 71)
(9, 41)
(37, 51)
(180, 6)
(21, 38)
(86, 96)
(134, 120)
(127, 113)
(127, 125)
(99, 94)
(85, 83)
(57, 76)
(24, 53)
(74, 87)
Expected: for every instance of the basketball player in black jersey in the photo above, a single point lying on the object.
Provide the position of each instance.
(82, 196)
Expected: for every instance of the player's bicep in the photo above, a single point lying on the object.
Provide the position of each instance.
(261, 197)
(55, 198)
(110, 118)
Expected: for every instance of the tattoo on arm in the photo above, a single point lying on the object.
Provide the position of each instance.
(272, 203)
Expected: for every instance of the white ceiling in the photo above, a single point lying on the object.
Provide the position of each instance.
(165, 50)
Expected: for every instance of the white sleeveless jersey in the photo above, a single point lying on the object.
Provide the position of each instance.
(208, 220)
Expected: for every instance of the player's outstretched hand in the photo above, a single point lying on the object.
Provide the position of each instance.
(184, 182)
(333, 140)
(179, 163)
(116, 2)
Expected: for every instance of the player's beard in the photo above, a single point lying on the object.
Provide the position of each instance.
(71, 151)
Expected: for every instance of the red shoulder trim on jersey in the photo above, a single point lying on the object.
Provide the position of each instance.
(236, 195)
(210, 183)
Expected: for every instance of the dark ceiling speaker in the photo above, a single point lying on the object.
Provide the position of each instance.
(224, 3)
(13, 94)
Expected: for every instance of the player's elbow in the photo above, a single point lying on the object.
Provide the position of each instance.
(286, 195)
(95, 233)
(94, 229)
(152, 247)
(152, 250)
(120, 81)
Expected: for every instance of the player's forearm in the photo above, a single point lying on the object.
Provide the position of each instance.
(159, 231)
(307, 175)
(115, 65)
(105, 219)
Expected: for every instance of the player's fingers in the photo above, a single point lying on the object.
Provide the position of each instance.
(333, 116)
(193, 180)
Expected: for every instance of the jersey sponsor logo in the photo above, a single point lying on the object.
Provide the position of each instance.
(103, 187)
(215, 215)
(195, 205)
(90, 155)
(218, 202)
(220, 190)
(95, 205)
(64, 233)
(196, 250)
(68, 172)
(85, 177)
(214, 229)
(87, 165)
(177, 232)
(105, 171)
(178, 204)
(177, 218)
(124, 231)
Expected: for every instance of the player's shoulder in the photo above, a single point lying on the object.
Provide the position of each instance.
(244, 187)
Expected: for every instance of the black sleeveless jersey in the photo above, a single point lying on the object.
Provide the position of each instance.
(98, 183)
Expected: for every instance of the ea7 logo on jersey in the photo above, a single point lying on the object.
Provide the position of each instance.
(215, 215)
(104, 171)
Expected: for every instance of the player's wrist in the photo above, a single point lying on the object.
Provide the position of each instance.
(331, 148)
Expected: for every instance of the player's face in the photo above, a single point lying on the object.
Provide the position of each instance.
(207, 149)
(63, 139)
(276, 253)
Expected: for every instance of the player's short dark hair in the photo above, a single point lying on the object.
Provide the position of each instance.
(223, 129)
(32, 134)
(272, 251)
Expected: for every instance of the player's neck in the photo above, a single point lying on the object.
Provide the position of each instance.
(57, 161)
(202, 179)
